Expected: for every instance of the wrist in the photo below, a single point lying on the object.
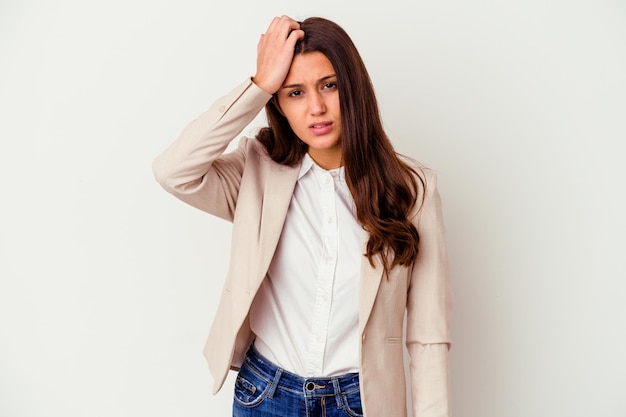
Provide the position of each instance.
(263, 85)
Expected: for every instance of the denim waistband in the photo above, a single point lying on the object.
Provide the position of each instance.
(309, 386)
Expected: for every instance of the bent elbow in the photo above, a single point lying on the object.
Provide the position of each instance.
(166, 176)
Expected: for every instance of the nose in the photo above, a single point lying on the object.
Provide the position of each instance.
(316, 104)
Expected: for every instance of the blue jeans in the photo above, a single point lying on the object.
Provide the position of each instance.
(264, 390)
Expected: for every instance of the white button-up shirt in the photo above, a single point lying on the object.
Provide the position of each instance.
(305, 315)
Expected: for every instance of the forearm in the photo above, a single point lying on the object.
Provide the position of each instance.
(194, 167)
(205, 139)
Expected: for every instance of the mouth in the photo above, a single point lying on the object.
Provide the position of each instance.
(319, 125)
(320, 128)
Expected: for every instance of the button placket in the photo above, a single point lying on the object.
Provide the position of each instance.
(325, 278)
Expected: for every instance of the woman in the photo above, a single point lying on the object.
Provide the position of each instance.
(335, 238)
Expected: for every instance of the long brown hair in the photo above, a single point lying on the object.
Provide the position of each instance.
(383, 187)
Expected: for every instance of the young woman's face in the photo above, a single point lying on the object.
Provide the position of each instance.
(309, 99)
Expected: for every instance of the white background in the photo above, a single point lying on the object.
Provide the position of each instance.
(108, 284)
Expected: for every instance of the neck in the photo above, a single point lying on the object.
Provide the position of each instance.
(327, 160)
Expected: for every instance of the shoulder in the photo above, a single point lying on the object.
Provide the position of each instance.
(254, 151)
(251, 145)
(425, 176)
(425, 179)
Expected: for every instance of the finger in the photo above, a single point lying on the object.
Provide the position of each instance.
(273, 24)
(295, 36)
(282, 26)
(276, 24)
(293, 24)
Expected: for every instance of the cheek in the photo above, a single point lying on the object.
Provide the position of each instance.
(292, 115)
(284, 107)
(337, 104)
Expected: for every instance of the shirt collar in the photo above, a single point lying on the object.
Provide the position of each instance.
(308, 164)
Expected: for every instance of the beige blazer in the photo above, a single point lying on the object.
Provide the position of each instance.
(247, 188)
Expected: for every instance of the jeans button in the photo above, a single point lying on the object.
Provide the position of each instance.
(310, 386)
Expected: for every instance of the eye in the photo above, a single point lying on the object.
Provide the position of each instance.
(330, 85)
(295, 93)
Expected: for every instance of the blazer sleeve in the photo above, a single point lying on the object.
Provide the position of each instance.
(428, 311)
(194, 167)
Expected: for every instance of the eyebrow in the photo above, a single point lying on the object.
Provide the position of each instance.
(319, 81)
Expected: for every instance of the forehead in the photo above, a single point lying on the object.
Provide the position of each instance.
(309, 67)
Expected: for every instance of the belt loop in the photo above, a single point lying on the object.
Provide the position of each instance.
(337, 393)
(274, 383)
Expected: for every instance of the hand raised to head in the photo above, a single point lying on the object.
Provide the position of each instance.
(275, 53)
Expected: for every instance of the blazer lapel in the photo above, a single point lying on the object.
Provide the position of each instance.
(370, 281)
(280, 181)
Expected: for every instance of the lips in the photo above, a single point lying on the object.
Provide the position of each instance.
(320, 128)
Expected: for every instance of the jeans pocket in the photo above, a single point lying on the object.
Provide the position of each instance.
(352, 402)
(250, 388)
